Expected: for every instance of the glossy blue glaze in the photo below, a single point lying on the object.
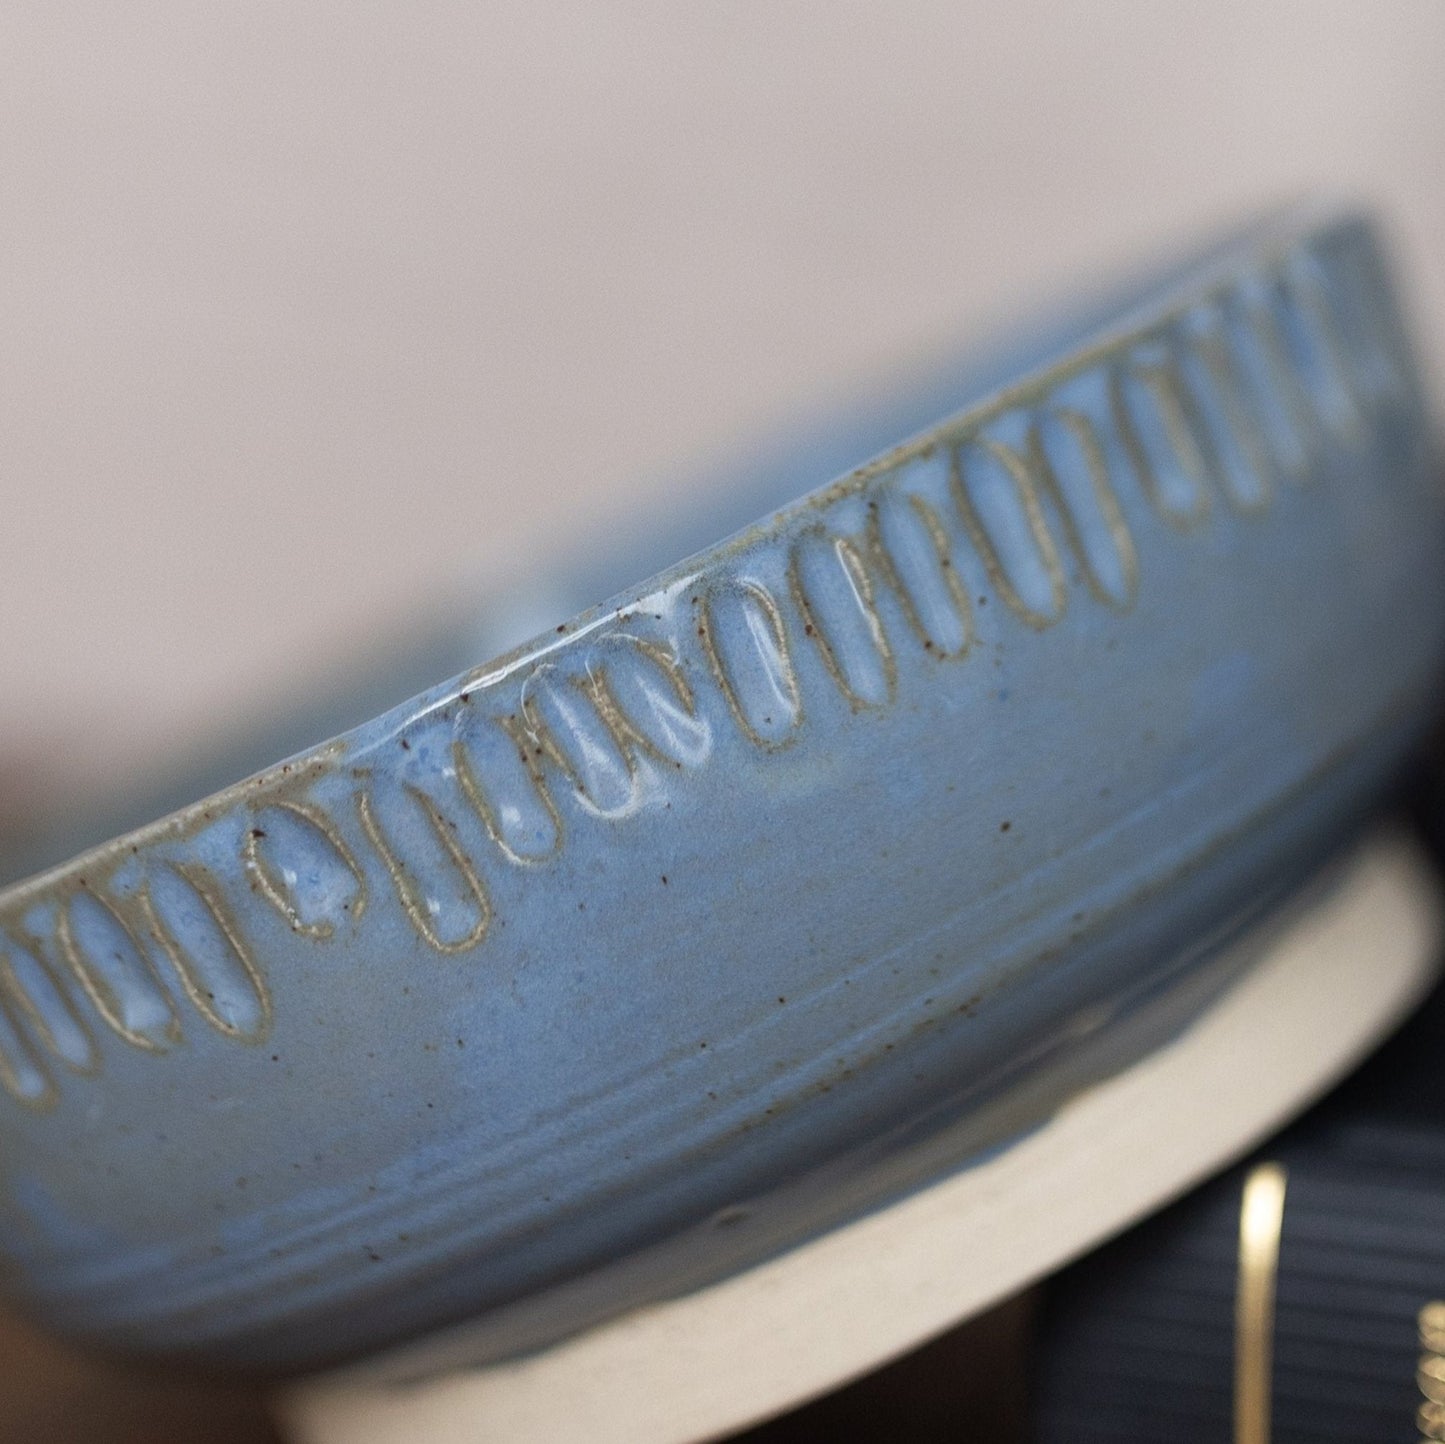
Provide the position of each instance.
(804, 871)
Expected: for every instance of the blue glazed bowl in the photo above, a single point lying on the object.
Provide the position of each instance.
(793, 877)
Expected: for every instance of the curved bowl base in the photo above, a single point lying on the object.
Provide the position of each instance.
(1337, 976)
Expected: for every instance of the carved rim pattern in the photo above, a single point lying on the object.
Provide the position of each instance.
(1227, 392)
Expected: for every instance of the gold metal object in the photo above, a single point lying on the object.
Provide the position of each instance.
(1261, 1213)
(1430, 1372)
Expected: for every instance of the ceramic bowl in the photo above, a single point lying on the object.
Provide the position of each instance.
(818, 865)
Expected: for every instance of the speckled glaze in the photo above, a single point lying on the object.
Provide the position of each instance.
(789, 878)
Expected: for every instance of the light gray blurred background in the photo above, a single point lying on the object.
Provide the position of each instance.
(311, 314)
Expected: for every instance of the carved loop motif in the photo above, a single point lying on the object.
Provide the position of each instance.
(1223, 402)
